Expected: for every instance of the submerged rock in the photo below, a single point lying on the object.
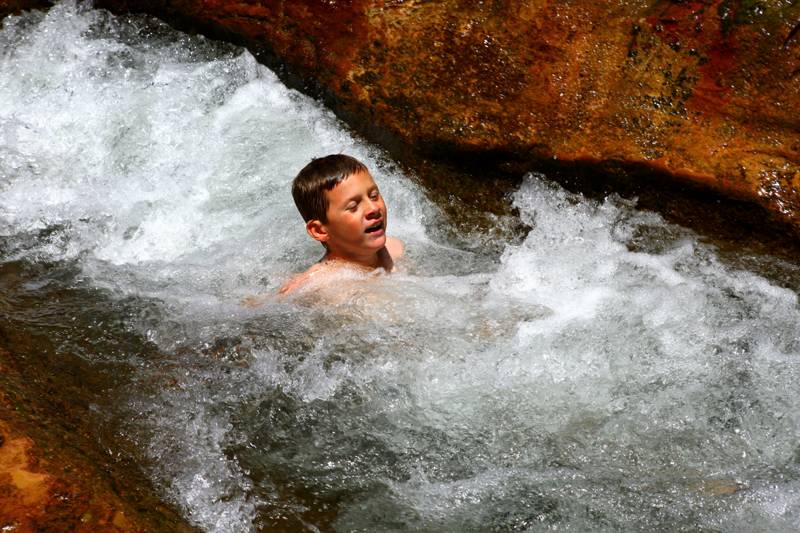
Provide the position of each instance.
(702, 91)
(53, 478)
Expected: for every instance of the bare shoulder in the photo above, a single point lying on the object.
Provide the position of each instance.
(299, 280)
(395, 247)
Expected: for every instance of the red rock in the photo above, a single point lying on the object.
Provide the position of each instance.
(53, 478)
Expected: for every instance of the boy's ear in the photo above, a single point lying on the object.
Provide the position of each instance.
(317, 230)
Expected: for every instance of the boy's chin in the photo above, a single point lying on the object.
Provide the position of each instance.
(376, 242)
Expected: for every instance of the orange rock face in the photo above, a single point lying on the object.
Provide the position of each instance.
(52, 479)
(704, 91)
(33, 497)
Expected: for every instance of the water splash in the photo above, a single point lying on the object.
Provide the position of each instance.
(607, 372)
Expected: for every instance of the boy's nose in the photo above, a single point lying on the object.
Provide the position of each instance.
(373, 210)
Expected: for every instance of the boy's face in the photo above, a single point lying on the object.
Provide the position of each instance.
(356, 225)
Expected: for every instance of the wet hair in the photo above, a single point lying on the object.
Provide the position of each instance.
(320, 175)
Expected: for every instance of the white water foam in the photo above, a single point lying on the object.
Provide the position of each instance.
(607, 373)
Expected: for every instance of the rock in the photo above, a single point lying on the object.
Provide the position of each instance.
(54, 479)
(36, 494)
(704, 92)
(14, 7)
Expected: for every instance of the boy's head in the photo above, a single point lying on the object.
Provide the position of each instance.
(320, 175)
(342, 207)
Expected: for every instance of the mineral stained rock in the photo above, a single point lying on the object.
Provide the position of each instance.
(703, 91)
(53, 474)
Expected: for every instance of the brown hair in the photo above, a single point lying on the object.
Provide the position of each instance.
(321, 174)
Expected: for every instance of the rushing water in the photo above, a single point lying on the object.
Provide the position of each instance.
(605, 372)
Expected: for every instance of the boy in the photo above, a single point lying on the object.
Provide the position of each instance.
(343, 210)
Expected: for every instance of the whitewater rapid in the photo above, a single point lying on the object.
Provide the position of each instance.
(605, 371)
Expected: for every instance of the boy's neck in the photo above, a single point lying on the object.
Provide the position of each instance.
(369, 261)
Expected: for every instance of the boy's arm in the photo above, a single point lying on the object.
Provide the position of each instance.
(292, 284)
(299, 280)
(254, 301)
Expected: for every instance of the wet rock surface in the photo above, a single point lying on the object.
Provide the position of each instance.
(55, 477)
(62, 467)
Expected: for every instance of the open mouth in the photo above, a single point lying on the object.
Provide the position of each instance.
(375, 227)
